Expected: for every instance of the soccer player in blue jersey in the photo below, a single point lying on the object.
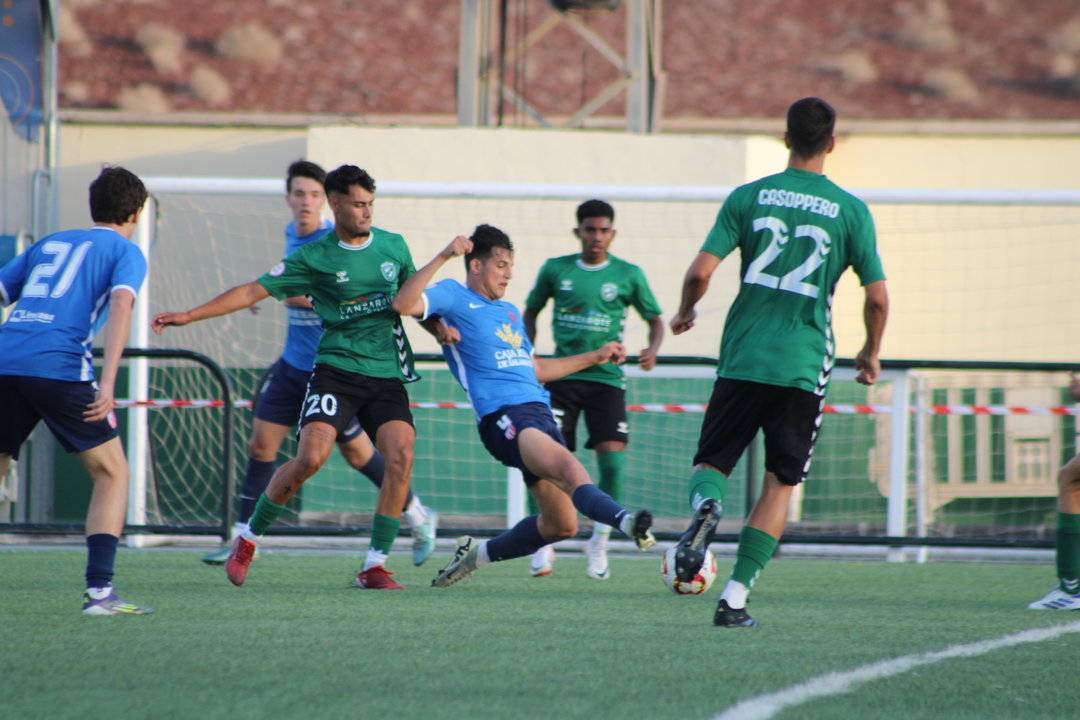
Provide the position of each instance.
(66, 286)
(281, 397)
(495, 364)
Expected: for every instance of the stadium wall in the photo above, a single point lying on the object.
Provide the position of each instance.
(967, 284)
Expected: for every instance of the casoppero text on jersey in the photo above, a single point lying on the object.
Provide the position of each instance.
(802, 201)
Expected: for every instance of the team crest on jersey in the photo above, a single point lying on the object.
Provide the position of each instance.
(609, 291)
(389, 271)
(277, 270)
(343, 276)
(507, 334)
(567, 285)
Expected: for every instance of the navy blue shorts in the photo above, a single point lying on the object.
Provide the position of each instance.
(338, 397)
(499, 431)
(788, 417)
(604, 407)
(61, 404)
(281, 396)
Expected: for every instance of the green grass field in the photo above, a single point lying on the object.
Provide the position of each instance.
(297, 642)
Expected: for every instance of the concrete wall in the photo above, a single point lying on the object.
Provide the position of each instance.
(983, 283)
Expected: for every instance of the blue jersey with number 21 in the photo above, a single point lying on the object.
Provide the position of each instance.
(493, 361)
(61, 286)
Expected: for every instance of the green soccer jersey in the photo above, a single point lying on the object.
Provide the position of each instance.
(352, 288)
(590, 307)
(797, 232)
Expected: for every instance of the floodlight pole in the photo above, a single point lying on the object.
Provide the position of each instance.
(642, 74)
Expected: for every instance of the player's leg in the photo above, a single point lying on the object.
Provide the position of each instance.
(361, 454)
(266, 440)
(730, 423)
(791, 421)
(277, 409)
(546, 457)
(316, 442)
(565, 407)
(608, 424)
(396, 440)
(108, 469)
(1066, 595)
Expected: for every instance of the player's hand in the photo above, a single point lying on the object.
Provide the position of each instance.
(447, 334)
(165, 319)
(460, 245)
(869, 367)
(683, 322)
(1074, 387)
(101, 407)
(647, 359)
(613, 352)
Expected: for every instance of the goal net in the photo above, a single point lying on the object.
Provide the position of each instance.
(972, 277)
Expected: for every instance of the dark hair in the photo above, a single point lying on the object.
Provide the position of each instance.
(810, 124)
(304, 168)
(116, 195)
(484, 239)
(594, 208)
(340, 180)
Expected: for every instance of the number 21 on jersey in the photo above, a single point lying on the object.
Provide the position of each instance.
(793, 280)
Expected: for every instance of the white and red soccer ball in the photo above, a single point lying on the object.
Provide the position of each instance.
(701, 582)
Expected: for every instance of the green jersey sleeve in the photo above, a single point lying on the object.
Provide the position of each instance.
(290, 277)
(542, 291)
(642, 297)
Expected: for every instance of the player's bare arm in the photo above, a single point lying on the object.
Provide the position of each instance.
(695, 284)
(444, 334)
(409, 300)
(548, 369)
(528, 318)
(875, 312)
(230, 301)
(647, 357)
(117, 326)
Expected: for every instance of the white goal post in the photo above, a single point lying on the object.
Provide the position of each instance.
(1000, 251)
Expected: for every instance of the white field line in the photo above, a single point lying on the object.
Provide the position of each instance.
(835, 683)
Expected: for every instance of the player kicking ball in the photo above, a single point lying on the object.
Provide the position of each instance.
(494, 363)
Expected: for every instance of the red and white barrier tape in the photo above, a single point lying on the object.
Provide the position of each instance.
(838, 409)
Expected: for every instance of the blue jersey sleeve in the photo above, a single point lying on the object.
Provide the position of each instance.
(130, 269)
(441, 298)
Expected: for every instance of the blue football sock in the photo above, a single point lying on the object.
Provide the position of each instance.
(100, 558)
(595, 504)
(256, 479)
(521, 540)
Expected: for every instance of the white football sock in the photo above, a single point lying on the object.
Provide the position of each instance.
(416, 513)
(735, 593)
(374, 557)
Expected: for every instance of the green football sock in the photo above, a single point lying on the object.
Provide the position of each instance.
(755, 549)
(266, 512)
(1068, 552)
(706, 484)
(611, 473)
(384, 529)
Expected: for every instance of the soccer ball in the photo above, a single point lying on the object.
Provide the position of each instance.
(702, 582)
